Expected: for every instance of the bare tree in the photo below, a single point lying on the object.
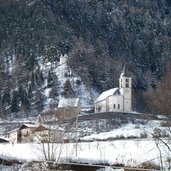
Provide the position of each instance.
(159, 99)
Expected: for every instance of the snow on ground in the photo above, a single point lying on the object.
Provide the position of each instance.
(129, 130)
(130, 152)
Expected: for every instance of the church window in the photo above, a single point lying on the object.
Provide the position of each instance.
(127, 82)
(99, 108)
(118, 106)
(114, 106)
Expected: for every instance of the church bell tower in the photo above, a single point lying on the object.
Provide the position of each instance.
(125, 85)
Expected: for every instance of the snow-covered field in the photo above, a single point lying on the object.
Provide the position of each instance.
(96, 150)
(121, 152)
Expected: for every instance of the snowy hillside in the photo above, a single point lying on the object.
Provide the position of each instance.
(86, 94)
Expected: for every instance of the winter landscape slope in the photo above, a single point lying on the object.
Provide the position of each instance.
(98, 36)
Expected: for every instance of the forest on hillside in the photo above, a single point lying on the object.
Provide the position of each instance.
(99, 36)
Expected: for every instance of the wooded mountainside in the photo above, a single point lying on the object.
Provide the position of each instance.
(99, 36)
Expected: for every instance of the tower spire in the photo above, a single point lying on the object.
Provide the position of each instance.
(123, 71)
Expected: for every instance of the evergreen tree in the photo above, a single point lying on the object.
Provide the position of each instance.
(39, 100)
(68, 90)
(54, 92)
(6, 100)
(33, 83)
(50, 80)
(1, 106)
(14, 102)
(23, 98)
(30, 94)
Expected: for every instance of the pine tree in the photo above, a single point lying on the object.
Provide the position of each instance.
(68, 90)
(6, 100)
(33, 83)
(54, 92)
(50, 80)
(14, 102)
(30, 95)
(39, 100)
(23, 98)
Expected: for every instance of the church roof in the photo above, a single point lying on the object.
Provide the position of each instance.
(27, 126)
(69, 102)
(108, 93)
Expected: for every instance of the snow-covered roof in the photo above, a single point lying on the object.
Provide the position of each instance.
(45, 127)
(14, 130)
(108, 93)
(69, 102)
(4, 138)
(29, 125)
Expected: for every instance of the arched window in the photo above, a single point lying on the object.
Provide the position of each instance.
(127, 82)
(114, 106)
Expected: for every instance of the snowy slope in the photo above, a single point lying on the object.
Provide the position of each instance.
(130, 153)
(87, 95)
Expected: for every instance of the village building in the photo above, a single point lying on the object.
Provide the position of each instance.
(68, 108)
(116, 99)
(63, 59)
(37, 132)
(45, 134)
(4, 140)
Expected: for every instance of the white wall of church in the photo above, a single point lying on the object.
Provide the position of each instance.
(100, 106)
(116, 103)
(112, 103)
(127, 105)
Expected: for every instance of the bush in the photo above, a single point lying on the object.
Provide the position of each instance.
(149, 165)
(143, 135)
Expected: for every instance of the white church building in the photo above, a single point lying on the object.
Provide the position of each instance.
(116, 99)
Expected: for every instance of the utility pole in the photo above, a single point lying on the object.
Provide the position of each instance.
(76, 140)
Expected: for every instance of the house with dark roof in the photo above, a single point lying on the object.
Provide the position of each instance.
(116, 99)
(21, 134)
(4, 140)
(46, 134)
(37, 132)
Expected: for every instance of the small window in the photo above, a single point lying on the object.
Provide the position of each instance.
(127, 80)
(121, 83)
(99, 108)
(114, 106)
(127, 85)
(118, 106)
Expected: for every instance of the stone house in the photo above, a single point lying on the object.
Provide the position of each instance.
(68, 108)
(22, 134)
(4, 140)
(45, 134)
(37, 132)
